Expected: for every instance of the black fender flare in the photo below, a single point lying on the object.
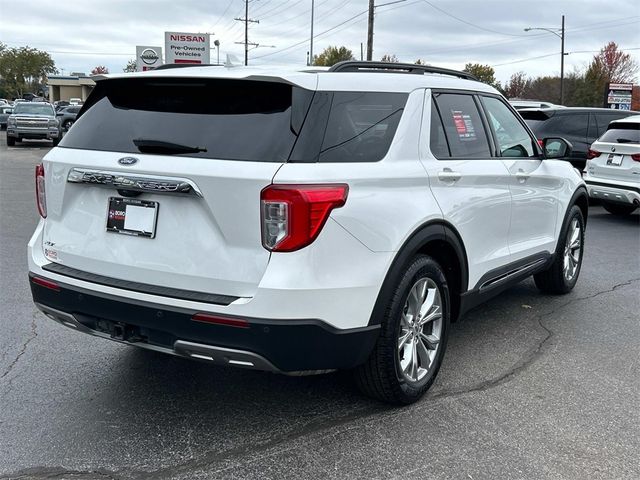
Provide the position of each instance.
(581, 192)
(437, 230)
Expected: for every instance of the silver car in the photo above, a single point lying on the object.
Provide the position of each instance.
(5, 111)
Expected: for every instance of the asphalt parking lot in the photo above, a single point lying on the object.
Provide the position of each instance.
(532, 387)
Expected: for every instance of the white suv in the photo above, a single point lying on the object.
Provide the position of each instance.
(300, 221)
(613, 167)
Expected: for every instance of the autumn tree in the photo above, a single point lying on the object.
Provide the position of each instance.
(24, 69)
(484, 73)
(389, 58)
(99, 70)
(517, 86)
(609, 65)
(131, 66)
(332, 55)
(615, 65)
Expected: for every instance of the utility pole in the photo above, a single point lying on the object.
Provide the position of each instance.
(370, 30)
(311, 41)
(372, 11)
(562, 64)
(246, 21)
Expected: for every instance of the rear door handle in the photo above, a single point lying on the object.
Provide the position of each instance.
(449, 176)
(522, 176)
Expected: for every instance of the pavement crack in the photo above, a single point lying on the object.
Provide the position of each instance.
(533, 354)
(53, 473)
(33, 333)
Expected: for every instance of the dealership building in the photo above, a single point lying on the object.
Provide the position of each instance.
(66, 87)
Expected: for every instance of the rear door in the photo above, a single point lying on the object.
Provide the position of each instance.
(470, 185)
(534, 188)
(159, 181)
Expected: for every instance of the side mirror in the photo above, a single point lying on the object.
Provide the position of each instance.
(556, 147)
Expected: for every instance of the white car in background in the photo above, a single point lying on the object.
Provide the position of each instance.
(613, 167)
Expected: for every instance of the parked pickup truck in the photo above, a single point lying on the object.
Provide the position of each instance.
(33, 121)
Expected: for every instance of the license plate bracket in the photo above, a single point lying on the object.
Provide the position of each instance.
(130, 216)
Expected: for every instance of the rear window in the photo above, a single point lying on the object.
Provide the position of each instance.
(622, 133)
(212, 118)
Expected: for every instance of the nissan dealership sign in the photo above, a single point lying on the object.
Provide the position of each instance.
(148, 58)
(186, 47)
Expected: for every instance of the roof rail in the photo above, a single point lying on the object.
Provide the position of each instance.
(359, 66)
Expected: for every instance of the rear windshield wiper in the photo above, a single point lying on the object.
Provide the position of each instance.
(167, 148)
(624, 140)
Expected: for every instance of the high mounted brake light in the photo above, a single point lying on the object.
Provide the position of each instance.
(41, 200)
(293, 215)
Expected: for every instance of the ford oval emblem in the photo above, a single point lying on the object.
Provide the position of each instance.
(128, 161)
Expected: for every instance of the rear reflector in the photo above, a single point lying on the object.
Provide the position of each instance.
(592, 154)
(41, 200)
(218, 320)
(46, 283)
(293, 215)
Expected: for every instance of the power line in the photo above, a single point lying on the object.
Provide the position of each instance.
(223, 14)
(472, 24)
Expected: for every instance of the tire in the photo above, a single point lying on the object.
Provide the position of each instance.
(395, 374)
(11, 141)
(618, 209)
(563, 274)
(67, 125)
(55, 141)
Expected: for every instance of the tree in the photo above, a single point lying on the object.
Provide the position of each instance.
(332, 55)
(616, 65)
(99, 70)
(420, 62)
(608, 65)
(484, 73)
(517, 86)
(389, 58)
(131, 67)
(24, 69)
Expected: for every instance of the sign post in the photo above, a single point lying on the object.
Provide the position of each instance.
(148, 58)
(190, 48)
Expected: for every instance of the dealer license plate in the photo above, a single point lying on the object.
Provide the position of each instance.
(615, 160)
(130, 216)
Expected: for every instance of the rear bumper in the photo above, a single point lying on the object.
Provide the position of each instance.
(610, 192)
(286, 346)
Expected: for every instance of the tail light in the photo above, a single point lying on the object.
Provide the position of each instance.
(592, 154)
(541, 143)
(635, 157)
(41, 200)
(293, 215)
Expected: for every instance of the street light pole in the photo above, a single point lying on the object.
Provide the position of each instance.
(562, 54)
(562, 64)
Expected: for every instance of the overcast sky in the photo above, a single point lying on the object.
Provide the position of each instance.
(82, 34)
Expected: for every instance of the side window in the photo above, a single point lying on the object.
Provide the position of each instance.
(513, 139)
(569, 125)
(605, 119)
(438, 140)
(361, 126)
(463, 125)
